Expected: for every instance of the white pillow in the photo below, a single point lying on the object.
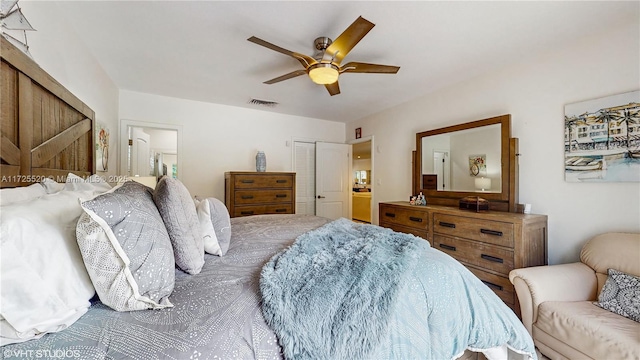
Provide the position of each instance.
(93, 183)
(21, 194)
(215, 224)
(51, 187)
(45, 285)
(209, 237)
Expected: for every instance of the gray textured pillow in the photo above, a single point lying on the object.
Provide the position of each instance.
(181, 220)
(620, 295)
(126, 249)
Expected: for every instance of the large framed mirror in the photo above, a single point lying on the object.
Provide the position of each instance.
(477, 158)
(149, 150)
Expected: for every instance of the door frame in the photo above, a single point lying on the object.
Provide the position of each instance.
(374, 205)
(447, 157)
(124, 136)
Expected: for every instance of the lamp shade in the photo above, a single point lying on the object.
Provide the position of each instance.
(483, 183)
(323, 74)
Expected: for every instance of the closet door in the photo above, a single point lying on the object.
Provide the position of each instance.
(333, 180)
(305, 168)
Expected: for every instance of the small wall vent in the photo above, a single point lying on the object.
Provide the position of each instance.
(266, 103)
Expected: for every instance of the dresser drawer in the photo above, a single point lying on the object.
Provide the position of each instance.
(500, 285)
(486, 256)
(250, 181)
(263, 196)
(406, 229)
(489, 231)
(405, 217)
(262, 209)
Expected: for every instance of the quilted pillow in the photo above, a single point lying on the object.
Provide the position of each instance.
(181, 220)
(126, 249)
(621, 295)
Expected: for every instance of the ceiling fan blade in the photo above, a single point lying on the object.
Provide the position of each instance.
(358, 67)
(341, 46)
(286, 76)
(305, 60)
(334, 89)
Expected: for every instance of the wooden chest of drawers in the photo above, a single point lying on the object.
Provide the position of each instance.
(254, 193)
(490, 244)
(405, 218)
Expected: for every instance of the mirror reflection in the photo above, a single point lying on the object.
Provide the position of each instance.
(152, 152)
(464, 160)
(362, 177)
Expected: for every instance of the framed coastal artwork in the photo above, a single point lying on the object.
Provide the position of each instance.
(602, 139)
(102, 147)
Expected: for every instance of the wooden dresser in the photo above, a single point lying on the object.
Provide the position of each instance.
(254, 193)
(489, 243)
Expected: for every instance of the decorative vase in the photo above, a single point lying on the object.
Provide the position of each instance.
(261, 162)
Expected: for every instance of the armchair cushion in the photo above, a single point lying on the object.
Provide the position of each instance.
(621, 295)
(557, 302)
(588, 330)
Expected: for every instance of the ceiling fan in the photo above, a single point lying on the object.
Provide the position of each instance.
(324, 67)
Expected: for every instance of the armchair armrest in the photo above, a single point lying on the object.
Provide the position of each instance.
(564, 282)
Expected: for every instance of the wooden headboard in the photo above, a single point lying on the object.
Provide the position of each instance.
(45, 130)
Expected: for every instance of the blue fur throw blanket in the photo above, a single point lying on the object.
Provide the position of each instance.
(330, 294)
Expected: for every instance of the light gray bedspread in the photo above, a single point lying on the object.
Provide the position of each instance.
(216, 314)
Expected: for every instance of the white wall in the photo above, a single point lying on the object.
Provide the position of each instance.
(534, 93)
(361, 164)
(58, 51)
(219, 138)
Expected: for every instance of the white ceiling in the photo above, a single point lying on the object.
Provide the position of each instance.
(199, 50)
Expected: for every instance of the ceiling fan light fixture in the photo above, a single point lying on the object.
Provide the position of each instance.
(323, 73)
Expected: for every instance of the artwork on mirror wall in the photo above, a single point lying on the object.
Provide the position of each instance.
(102, 147)
(602, 139)
(478, 165)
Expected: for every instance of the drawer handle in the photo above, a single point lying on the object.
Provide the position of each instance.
(281, 210)
(447, 247)
(492, 285)
(246, 212)
(491, 232)
(247, 197)
(446, 224)
(246, 181)
(281, 181)
(416, 219)
(390, 214)
(281, 195)
(491, 258)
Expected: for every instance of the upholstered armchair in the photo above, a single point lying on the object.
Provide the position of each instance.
(557, 302)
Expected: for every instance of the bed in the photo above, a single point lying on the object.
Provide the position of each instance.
(222, 310)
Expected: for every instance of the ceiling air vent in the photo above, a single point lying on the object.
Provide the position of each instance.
(266, 103)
